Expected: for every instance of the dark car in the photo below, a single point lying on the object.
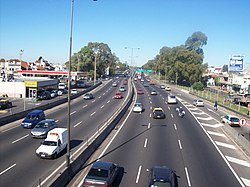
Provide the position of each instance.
(42, 128)
(162, 176)
(101, 174)
(33, 118)
(88, 96)
(158, 113)
(44, 95)
(5, 104)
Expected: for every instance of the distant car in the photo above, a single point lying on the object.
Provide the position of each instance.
(42, 128)
(54, 93)
(114, 84)
(140, 91)
(74, 91)
(44, 95)
(162, 176)
(118, 95)
(5, 104)
(198, 102)
(88, 96)
(122, 89)
(145, 84)
(153, 92)
(158, 113)
(171, 99)
(61, 92)
(125, 82)
(32, 118)
(135, 79)
(230, 120)
(162, 86)
(168, 88)
(101, 174)
(138, 107)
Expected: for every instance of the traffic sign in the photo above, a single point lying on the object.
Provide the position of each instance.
(243, 121)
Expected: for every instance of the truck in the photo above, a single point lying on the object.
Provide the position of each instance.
(56, 141)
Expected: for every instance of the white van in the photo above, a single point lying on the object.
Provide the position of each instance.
(56, 141)
(171, 99)
(62, 86)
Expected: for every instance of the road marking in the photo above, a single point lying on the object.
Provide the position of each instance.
(179, 141)
(99, 97)
(199, 113)
(246, 181)
(148, 125)
(84, 106)
(57, 121)
(7, 169)
(77, 124)
(72, 112)
(225, 145)
(186, 171)
(103, 93)
(168, 108)
(102, 106)
(211, 110)
(138, 175)
(193, 109)
(20, 138)
(216, 133)
(108, 101)
(150, 102)
(92, 114)
(238, 161)
(212, 125)
(151, 108)
(145, 143)
(206, 118)
(175, 127)
(93, 101)
(150, 115)
(172, 116)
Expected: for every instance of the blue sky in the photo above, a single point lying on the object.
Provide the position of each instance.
(42, 27)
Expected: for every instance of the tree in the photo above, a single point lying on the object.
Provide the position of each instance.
(225, 68)
(196, 42)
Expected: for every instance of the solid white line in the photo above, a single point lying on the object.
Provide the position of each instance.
(7, 169)
(179, 141)
(186, 171)
(108, 101)
(138, 175)
(225, 145)
(148, 125)
(238, 161)
(20, 138)
(102, 106)
(145, 143)
(72, 112)
(175, 127)
(77, 124)
(92, 114)
(84, 106)
(246, 181)
(172, 116)
(216, 134)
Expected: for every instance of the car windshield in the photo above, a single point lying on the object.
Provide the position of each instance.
(161, 184)
(32, 117)
(50, 143)
(98, 173)
(172, 96)
(42, 125)
(138, 105)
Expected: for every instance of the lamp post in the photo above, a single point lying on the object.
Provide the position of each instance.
(132, 51)
(95, 52)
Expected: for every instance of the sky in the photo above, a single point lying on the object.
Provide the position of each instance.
(42, 28)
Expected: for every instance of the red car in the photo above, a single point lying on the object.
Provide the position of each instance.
(140, 91)
(118, 95)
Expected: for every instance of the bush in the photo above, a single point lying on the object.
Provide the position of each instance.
(198, 86)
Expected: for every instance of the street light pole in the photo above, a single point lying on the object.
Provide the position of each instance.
(69, 79)
(132, 52)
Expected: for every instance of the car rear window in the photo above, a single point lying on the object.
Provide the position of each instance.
(172, 96)
(98, 173)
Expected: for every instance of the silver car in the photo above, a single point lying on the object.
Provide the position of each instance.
(42, 128)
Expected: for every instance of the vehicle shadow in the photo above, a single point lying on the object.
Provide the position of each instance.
(119, 177)
(75, 143)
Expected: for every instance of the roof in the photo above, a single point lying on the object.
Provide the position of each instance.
(161, 173)
(35, 111)
(102, 165)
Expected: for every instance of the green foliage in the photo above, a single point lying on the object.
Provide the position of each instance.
(198, 86)
(225, 68)
(182, 64)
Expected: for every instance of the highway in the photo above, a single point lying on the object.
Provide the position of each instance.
(194, 146)
(19, 164)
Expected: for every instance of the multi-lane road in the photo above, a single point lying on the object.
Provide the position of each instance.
(194, 146)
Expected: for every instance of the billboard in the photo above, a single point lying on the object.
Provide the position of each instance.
(235, 63)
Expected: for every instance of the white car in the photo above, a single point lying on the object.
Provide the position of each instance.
(171, 99)
(168, 88)
(122, 89)
(162, 86)
(73, 91)
(231, 120)
(198, 102)
(153, 92)
(138, 107)
(114, 84)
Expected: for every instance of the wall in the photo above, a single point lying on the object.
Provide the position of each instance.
(12, 89)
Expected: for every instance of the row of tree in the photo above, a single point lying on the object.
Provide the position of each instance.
(182, 64)
(83, 60)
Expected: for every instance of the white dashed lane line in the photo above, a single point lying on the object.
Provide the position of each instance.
(175, 127)
(77, 124)
(93, 101)
(172, 115)
(84, 106)
(148, 125)
(20, 138)
(92, 114)
(187, 175)
(145, 143)
(138, 175)
(108, 101)
(102, 106)
(7, 169)
(179, 142)
(72, 113)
